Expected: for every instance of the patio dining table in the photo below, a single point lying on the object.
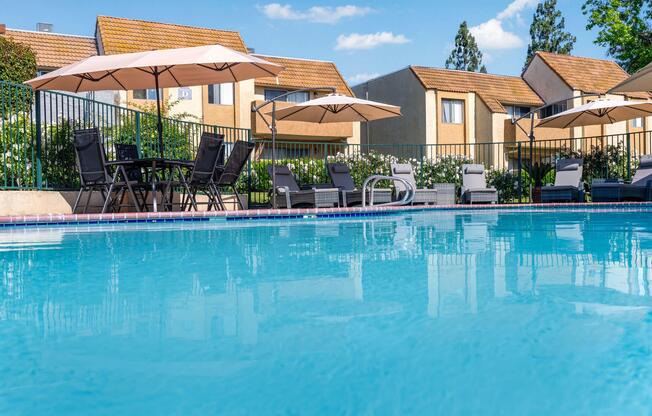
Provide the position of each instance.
(158, 171)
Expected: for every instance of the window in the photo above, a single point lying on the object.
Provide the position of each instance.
(551, 110)
(637, 122)
(149, 94)
(220, 94)
(516, 111)
(292, 97)
(452, 111)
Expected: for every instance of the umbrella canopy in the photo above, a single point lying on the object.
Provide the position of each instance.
(599, 112)
(639, 82)
(337, 108)
(182, 67)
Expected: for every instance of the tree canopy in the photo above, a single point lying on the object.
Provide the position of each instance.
(624, 27)
(17, 61)
(548, 32)
(466, 55)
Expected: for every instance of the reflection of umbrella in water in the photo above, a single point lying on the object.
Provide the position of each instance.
(182, 67)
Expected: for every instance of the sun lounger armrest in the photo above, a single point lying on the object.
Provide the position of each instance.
(317, 186)
(326, 190)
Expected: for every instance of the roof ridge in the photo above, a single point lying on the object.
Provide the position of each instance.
(462, 71)
(291, 57)
(169, 24)
(50, 33)
(588, 58)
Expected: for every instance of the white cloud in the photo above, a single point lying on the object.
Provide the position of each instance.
(368, 41)
(317, 14)
(491, 35)
(362, 77)
(515, 8)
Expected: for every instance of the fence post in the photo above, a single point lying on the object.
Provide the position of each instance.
(325, 157)
(39, 140)
(520, 166)
(140, 152)
(629, 157)
(249, 172)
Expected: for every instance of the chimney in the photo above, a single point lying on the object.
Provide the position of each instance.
(3, 28)
(44, 27)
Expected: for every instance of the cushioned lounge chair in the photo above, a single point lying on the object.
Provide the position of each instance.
(405, 172)
(640, 189)
(568, 185)
(350, 195)
(290, 195)
(474, 186)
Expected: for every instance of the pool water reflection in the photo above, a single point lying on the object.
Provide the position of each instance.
(454, 313)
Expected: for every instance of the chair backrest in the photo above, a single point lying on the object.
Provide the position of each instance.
(91, 159)
(220, 159)
(569, 172)
(405, 172)
(235, 163)
(340, 176)
(129, 152)
(284, 177)
(643, 174)
(473, 176)
(206, 160)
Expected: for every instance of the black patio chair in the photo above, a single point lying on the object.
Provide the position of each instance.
(202, 173)
(95, 173)
(228, 176)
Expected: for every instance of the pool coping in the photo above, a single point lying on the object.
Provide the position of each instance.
(271, 214)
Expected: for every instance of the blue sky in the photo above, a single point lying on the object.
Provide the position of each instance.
(363, 38)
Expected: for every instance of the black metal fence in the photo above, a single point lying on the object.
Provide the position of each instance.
(36, 135)
(36, 149)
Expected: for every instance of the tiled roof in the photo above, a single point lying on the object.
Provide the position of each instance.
(52, 49)
(588, 75)
(119, 35)
(304, 73)
(494, 90)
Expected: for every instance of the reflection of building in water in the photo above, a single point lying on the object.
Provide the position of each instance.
(453, 264)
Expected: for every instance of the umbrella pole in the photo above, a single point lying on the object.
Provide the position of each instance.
(159, 123)
(274, 155)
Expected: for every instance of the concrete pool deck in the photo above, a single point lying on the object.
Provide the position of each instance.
(257, 214)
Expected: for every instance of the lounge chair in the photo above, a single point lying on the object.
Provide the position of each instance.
(421, 196)
(202, 174)
(474, 186)
(640, 189)
(289, 194)
(568, 185)
(95, 172)
(349, 194)
(227, 176)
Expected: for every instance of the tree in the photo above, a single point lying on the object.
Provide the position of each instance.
(465, 55)
(624, 28)
(547, 32)
(17, 61)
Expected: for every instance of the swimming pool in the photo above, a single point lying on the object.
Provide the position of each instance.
(434, 312)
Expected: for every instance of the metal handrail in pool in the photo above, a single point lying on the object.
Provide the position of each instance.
(374, 179)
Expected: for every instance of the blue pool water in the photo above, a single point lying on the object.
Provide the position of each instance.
(456, 313)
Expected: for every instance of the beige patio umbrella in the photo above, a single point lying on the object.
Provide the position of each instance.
(181, 67)
(641, 81)
(598, 112)
(333, 108)
(336, 108)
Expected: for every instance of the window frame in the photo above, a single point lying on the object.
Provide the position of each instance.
(451, 102)
(218, 93)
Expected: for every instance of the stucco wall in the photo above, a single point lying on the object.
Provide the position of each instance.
(545, 82)
(483, 123)
(400, 88)
(55, 202)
